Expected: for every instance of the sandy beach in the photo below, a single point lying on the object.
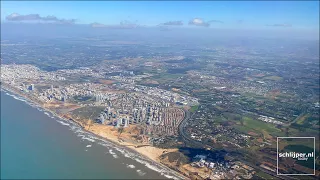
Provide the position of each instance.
(111, 134)
(107, 132)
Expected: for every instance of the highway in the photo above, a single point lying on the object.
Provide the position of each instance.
(182, 127)
(187, 139)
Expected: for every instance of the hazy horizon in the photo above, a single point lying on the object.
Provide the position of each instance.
(52, 30)
(288, 19)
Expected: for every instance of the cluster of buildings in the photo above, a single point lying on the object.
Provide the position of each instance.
(116, 118)
(156, 109)
(61, 93)
(201, 162)
(162, 94)
(83, 71)
(236, 85)
(157, 121)
(150, 115)
(222, 169)
(15, 74)
(270, 120)
(217, 134)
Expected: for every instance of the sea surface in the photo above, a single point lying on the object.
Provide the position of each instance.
(37, 145)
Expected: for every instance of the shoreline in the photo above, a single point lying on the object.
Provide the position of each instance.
(130, 148)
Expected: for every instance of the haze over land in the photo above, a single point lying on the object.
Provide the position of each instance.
(208, 94)
(174, 34)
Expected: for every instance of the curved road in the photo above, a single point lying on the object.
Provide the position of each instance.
(182, 133)
(186, 138)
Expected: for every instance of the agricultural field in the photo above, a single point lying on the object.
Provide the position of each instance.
(257, 126)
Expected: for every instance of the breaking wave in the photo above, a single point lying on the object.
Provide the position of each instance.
(63, 123)
(131, 166)
(74, 127)
(111, 152)
(141, 173)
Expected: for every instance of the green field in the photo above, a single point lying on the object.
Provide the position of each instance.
(194, 108)
(274, 78)
(164, 77)
(83, 99)
(219, 119)
(299, 148)
(257, 126)
(302, 119)
(300, 145)
(87, 112)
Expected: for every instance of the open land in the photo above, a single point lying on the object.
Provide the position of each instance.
(215, 114)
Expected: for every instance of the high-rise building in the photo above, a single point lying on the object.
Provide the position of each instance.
(31, 87)
(119, 122)
(126, 122)
(101, 118)
(98, 98)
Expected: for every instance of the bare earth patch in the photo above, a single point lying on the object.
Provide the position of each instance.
(105, 81)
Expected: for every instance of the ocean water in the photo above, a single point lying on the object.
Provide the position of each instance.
(37, 145)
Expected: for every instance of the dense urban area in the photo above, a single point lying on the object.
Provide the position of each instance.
(222, 104)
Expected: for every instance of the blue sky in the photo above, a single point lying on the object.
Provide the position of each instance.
(304, 14)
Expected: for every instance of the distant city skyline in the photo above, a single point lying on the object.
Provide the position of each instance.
(205, 14)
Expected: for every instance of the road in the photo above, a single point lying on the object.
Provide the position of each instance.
(186, 138)
(296, 119)
(182, 127)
